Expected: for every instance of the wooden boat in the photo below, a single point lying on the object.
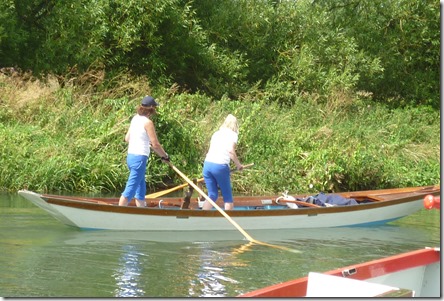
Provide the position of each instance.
(411, 274)
(251, 212)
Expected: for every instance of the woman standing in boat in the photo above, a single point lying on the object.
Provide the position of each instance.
(216, 170)
(141, 137)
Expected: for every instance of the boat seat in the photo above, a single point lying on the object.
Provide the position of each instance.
(324, 285)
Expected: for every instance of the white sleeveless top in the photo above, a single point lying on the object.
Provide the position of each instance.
(220, 146)
(139, 142)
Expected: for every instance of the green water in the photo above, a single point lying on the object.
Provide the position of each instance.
(43, 258)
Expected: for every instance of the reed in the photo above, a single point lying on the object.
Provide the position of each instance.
(57, 136)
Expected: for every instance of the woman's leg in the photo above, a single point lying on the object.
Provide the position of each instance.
(141, 187)
(137, 167)
(221, 180)
(211, 184)
(224, 181)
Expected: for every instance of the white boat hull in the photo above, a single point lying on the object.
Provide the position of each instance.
(96, 219)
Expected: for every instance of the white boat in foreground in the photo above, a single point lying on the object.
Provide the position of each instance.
(372, 207)
(411, 274)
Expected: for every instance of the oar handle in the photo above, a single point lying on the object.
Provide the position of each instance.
(163, 192)
(299, 203)
(245, 166)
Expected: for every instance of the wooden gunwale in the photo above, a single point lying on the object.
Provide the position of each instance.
(392, 264)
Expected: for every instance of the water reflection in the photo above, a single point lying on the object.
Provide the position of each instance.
(211, 278)
(128, 275)
(43, 258)
(284, 237)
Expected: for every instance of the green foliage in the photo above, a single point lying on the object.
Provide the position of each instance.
(339, 95)
(245, 27)
(403, 36)
(55, 138)
(225, 48)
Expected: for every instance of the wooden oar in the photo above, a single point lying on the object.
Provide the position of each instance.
(163, 192)
(299, 203)
(236, 225)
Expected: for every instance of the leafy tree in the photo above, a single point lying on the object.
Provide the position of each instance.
(250, 28)
(387, 48)
(404, 36)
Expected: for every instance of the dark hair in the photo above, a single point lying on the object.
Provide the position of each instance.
(146, 111)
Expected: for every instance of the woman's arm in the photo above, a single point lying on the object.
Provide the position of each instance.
(234, 158)
(155, 144)
(127, 136)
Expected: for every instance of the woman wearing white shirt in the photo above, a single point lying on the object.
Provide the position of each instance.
(216, 170)
(141, 138)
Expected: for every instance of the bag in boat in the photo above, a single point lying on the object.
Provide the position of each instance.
(325, 200)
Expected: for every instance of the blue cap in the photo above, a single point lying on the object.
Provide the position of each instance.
(149, 101)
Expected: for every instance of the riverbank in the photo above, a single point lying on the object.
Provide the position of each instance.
(70, 138)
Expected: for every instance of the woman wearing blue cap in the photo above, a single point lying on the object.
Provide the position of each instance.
(141, 137)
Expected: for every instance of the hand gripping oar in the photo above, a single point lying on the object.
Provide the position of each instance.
(163, 192)
(236, 225)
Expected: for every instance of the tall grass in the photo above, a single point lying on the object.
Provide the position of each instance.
(68, 136)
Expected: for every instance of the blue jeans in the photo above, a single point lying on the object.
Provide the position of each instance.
(136, 186)
(218, 175)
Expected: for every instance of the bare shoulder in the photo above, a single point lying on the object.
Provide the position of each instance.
(149, 122)
(149, 125)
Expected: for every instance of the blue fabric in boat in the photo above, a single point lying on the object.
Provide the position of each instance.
(333, 199)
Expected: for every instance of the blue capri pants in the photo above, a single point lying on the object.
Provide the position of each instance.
(136, 185)
(218, 175)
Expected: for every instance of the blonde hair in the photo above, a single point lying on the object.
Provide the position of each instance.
(231, 123)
